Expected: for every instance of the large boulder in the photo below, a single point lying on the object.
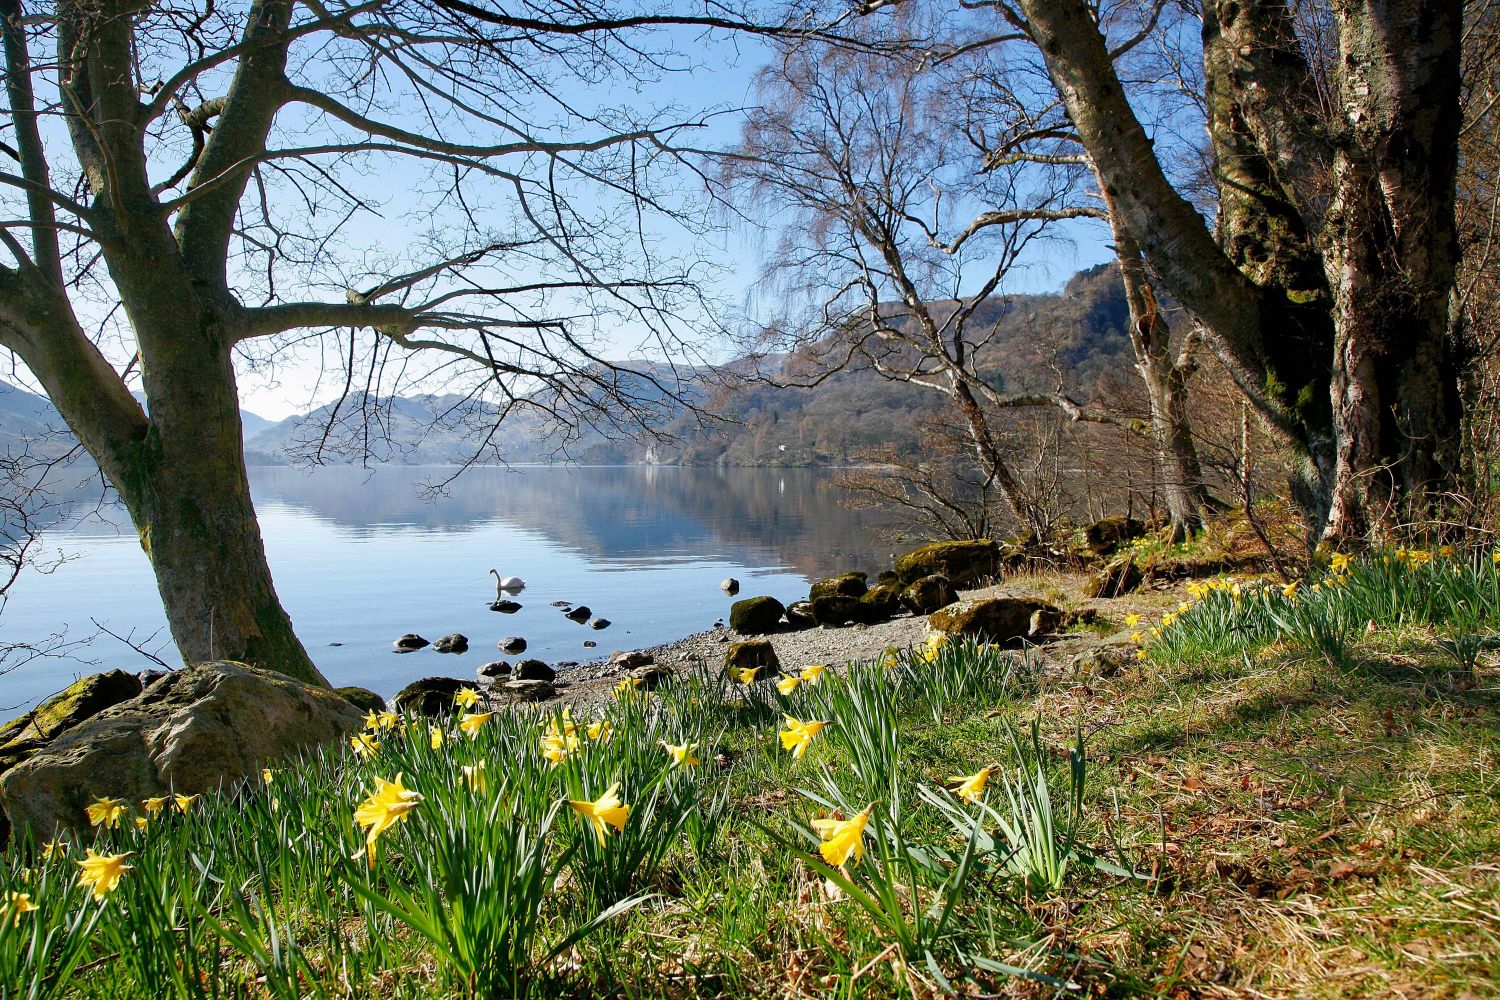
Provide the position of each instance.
(1119, 578)
(430, 696)
(203, 727)
(851, 584)
(799, 616)
(756, 615)
(962, 563)
(992, 619)
(81, 700)
(835, 609)
(757, 654)
(1107, 534)
(929, 594)
(880, 603)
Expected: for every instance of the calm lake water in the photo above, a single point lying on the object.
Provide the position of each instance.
(361, 556)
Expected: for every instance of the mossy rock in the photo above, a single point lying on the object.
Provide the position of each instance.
(880, 603)
(361, 698)
(83, 699)
(430, 696)
(962, 563)
(756, 654)
(799, 615)
(756, 615)
(851, 584)
(929, 594)
(1105, 536)
(836, 609)
(993, 619)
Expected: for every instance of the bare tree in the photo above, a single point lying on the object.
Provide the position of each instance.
(435, 192)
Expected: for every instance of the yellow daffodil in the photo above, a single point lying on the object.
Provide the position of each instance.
(682, 755)
(788, 684)
(813, 672)
(105, 812)
(19, 903)
(372, 721)
(1167, 619)
(1290, 590)
(1137, 636)
(844, 838)
(557, 746)
(141, 822)
(1445, 551)
(627, 685)
(472, 722)
(604, 812)
(474, 776)
(154, 806)
(1340, 562)
(746, 675)
(102, 872)
(184, 802)
(1182, 607)
(267, 775)
(1131, 621)
(54, 849)
(1140, 654)
(435, 737)
(971, 789)
(387, 720)
(386, 806)
(797, 735)
(364, 745)
(466, 698)
(1495, 557)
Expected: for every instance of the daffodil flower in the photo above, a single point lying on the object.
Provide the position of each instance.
(1140, 654)
(372, 721)
(844, 838)
(141, 822)
(435, 737)
(105, 812)
(813, 672)
(627, 686)
(1290, 590)
(1137, 636)
(600, 731)
(604, 812)
(155, 805)
(971, 788)
(102, 872)
(797, 735)
(682, 754)
(474, 776)
(746, 675)
(184, 802)
(387, 720)
(466, 697)
(472, 722)
(18, 903)
(364, 745)
(1341, 562)
(267, 775)
(788, 684)
(557, 746)
(386, 806)
(1131, 621)
(54, 849)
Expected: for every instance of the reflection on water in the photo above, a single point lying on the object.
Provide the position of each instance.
(361, 556)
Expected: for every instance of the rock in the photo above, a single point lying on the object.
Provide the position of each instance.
(512, 644)
(1107, 534)
(150, 677)
(1117, 579)
(994, 619)
(851, 584)
(1045, 621)
(81, 700)
(505, 607)
(525, 691)
(887, 576)
(929, 593)
(837, 609)
(493, 669)
(579, 614)
(652, 675)
(756, 653)
(430, 696)
(361, 698)
(730, 586)
(756, 615)
(880, 603)
(631, 660)
(962, 563)
(455, 643)
(1080, 616)
(201, 728)
(562, 604)
(409, 643)
(590, 644)
(799, 615)
(599, 624)
(1108, 658)
(532, 670)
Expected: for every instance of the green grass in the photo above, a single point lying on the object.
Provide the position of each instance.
(1253, 809)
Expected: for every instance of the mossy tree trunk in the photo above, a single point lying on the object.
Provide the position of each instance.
(1325, 289)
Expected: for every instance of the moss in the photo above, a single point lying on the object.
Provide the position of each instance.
(80, 700)
(962, 562)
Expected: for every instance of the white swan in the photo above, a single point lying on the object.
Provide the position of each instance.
(507, 585)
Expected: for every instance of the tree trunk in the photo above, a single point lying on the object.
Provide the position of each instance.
(991, 462)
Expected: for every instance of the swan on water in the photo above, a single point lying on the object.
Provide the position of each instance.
(507, 585)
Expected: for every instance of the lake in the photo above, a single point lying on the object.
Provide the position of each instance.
(361, 556)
